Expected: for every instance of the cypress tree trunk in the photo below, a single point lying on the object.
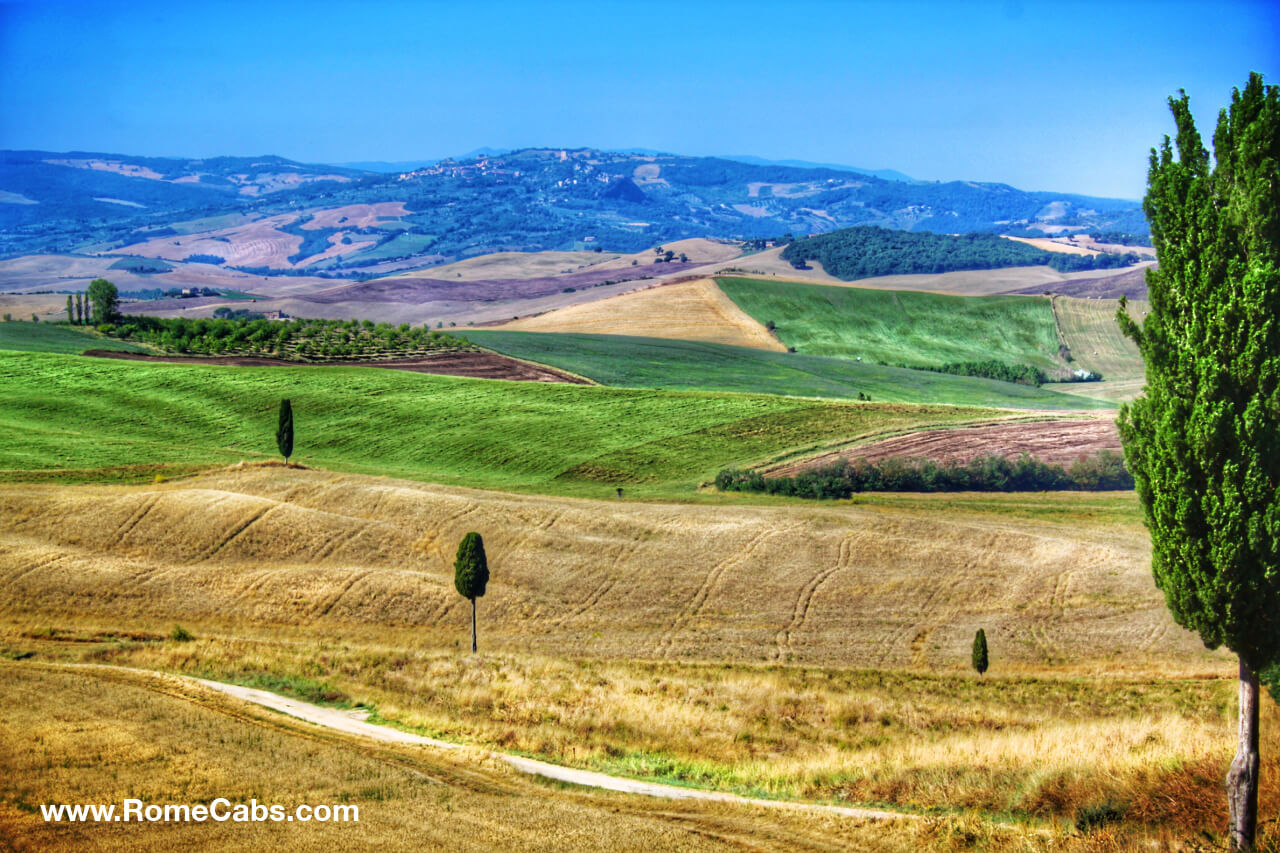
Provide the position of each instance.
(473, 649)
(1242, 778)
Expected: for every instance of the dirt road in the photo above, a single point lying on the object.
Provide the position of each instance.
(353, 722)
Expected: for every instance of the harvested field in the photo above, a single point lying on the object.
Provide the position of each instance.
(1058, 442)
(477, 365)
(1130, 283)
(1050, 245)
(423, 287)
(520, 265)
(688, 311)
(847, 584)
(256, 244)
(340, 588)
(100, 735)
(356, 215)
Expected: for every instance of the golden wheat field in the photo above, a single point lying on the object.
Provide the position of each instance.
(91, 735)
(870, 583)
(767, 647)
(686, 311)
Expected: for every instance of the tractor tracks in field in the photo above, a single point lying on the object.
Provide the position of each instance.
(136, 518)
(236, 532)
(694, 607)
(804, 600)
(600, 590)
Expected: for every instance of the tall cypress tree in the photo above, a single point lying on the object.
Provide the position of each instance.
(1202, 441)
(79, 310)
(980, 661)
(71, 317)
(471, 574)
(284, 431)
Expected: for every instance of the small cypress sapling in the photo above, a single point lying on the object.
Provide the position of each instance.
(284, 431)
(980, 661)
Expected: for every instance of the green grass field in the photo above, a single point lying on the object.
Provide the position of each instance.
(901, 327)
(690, 365)
(68, 418)
(400, 246)
(47, 337)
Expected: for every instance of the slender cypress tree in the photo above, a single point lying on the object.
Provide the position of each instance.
(980, 660)
(71, 317)
(1201, 442)
(471, 574)
(79, 310)
(284, 431)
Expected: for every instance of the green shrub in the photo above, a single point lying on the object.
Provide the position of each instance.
(1094, 817)
(180, 634)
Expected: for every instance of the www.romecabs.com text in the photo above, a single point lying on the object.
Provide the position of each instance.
(221, 810)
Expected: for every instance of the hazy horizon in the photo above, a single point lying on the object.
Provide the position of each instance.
(1065, 98)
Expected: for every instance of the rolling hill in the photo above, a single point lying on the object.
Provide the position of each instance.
(72, 418)
(534, 199)
(639, 362)
(911, 328)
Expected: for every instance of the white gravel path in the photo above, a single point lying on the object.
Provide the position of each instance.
(353, 722)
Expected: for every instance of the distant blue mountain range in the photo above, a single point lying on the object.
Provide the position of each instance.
(883, 174)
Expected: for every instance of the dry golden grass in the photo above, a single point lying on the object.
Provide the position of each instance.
(698, 250)
(1052, 245)
(95, 736)
(687, 311)
(340, 587)
(879, 582)
(1033, 748)
(513, 265)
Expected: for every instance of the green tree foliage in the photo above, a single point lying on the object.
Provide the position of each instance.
(79, 321)
(865, 251)
(284, 431)
(980, 660)
(71, 315)
(471, 574)
(1202, 442)
(105, 300)
(292, 340)
(1103, 472)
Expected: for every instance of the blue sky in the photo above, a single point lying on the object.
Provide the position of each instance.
(1065, 96)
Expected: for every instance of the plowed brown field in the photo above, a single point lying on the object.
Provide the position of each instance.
(1058, 442)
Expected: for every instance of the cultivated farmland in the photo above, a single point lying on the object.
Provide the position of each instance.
(691, 311)
(661, 363)
(917, 329)
(786, 649)
(68, 416)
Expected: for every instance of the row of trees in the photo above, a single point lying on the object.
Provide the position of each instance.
(100, 305)
(296, 339)
(867, 250)
(1102, 472)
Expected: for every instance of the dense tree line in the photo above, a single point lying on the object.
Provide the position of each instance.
(1102, 472)
(865, 251)
(1022, 374)
(296, 339)
(1123, 238)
